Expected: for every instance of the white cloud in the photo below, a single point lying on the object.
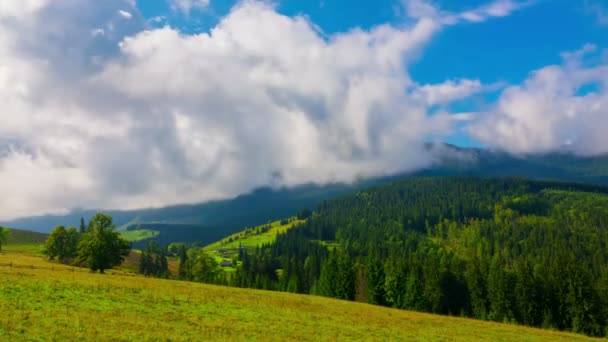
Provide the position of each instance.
(558, 107)
(495, 9)
(450, 91)
(125, 14)
(11, 8)
(186, 6)
(98, 112)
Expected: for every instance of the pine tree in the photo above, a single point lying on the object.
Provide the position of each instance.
(413, 297)
(345, 281)
(183, 259)
(527, 296)
(327, 279)
(83, 228)
(500, 293)
(375, 280)
(162, 268)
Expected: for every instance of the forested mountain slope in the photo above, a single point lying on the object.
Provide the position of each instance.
(511, 250)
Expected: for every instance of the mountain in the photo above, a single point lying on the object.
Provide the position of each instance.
(208, 222)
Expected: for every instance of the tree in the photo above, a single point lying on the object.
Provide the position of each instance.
(62, 243)
(153, 261)
(201, 267)
(83, 227)
(329, 275)
(183, 260)
(4, 234)
(101, 247)
(375, 280)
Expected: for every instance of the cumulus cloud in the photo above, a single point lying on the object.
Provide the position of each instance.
(558, 107)
(186, 6)
(100, 113)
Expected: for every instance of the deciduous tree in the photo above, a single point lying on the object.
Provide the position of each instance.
(101, 247)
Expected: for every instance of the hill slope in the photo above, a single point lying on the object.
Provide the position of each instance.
(44, 304)
(532, 252)
(25, 237)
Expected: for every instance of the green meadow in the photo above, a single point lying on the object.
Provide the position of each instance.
(256, 236)
(45, 301)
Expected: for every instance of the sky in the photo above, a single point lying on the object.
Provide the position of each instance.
(123, 104)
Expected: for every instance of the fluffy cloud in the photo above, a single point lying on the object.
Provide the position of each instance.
(558, 107)
(450, 91)
(186, 6)
(99, 112)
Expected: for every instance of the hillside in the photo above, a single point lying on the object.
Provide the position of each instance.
(52, 302)
(531, 252)
(25, 237)
(208, 222)
(249, 239)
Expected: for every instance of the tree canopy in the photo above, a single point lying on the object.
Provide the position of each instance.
(62, 243)
(101, 247)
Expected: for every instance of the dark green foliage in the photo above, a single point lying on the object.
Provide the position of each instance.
(62, 243)
(83, 227)
(375, 280)
(183, 260)
(509, 250)
(101, 247)
(153, 261)
(304, 214)
(199, 266)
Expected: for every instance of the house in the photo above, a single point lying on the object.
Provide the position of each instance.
(226, 263)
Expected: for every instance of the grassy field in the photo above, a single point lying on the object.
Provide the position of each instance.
(254, 237)
(249, 238)
(57, 303)
(139, 234)
(23, 241)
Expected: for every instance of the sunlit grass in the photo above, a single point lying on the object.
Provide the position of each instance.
(56, 303)
(254, 237)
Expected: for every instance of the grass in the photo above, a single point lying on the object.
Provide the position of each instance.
(139, 234)
(256, 236)
(25, 242)
(249, 238)
(59, 304)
